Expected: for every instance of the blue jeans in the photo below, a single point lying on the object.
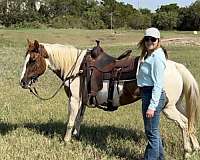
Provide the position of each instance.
(154, 149)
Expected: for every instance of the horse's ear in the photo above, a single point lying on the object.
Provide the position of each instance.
(43, 52)
(36, 44)
(29, 42)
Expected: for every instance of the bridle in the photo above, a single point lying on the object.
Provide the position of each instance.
(69, 76)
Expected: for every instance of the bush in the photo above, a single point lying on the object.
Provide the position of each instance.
(139, 21)
(2, 26)
(66, 22)
(34, 24)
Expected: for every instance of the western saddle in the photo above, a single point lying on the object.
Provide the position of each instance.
(101, 66)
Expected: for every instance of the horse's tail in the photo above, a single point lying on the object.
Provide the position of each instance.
(192, 96)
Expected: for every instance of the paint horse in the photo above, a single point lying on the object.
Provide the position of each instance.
(179, 83)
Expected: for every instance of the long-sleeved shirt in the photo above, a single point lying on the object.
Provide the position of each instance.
(151, 73)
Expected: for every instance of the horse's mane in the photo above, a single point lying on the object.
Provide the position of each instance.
(62, 57)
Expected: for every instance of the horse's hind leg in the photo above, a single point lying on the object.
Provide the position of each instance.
(195, 142)
(172, 113)
(193, 138)
(78, 121)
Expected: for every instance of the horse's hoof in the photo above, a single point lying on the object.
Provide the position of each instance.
(196, 148)
(188, 149)
(76, 137)
(91, 106)
(68, 143)
(190, 155)
(67, 139)
(187, 155)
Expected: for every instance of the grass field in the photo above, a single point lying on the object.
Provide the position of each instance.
(31, 129)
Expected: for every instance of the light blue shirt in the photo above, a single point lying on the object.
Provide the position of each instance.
(151, 73)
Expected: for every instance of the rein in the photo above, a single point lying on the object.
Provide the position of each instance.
(68, 77)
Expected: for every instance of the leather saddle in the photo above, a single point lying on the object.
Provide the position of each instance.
(101, 66)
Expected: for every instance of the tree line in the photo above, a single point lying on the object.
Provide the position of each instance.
(92, 14)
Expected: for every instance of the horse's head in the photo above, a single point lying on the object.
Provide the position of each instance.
(35, 64)
(96, 51)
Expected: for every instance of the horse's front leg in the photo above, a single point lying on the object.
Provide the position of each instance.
(74, 105)
(78, 121)
(73, 108)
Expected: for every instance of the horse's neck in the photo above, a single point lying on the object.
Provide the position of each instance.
(62, 62)
(61, 58)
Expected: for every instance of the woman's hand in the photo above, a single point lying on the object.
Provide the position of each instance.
(150, 113)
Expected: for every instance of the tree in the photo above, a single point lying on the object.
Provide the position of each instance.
(92, 16)
(166, 17)
(139, 21)
(168, 8)
(165, 20)
(120, 13)
(145, 11)
(189, 18)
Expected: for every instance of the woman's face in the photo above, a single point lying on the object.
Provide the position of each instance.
(150, 43)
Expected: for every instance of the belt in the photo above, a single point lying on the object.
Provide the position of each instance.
(146, 88)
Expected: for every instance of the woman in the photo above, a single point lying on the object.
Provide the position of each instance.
(150, 79)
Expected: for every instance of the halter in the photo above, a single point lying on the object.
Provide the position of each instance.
(69, 77)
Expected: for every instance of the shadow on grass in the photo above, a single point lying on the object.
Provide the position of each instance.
(111, 140)
(49, 129)
(7, 127)
(102, 137)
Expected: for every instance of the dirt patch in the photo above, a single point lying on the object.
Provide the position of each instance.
(189, 41)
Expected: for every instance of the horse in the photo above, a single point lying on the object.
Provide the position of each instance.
(179, 83)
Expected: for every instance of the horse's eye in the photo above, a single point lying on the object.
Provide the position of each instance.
(32, 61)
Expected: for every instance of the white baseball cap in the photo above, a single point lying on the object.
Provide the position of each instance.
(152, 32)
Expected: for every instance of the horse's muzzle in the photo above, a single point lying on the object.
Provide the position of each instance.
(24, 84)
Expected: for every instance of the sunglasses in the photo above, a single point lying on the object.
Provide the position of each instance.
(149, 38)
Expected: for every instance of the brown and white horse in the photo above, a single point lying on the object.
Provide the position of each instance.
(179, 82)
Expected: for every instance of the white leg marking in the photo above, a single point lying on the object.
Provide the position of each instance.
(73, 108)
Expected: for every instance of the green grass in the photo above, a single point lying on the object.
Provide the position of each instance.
(32, 129)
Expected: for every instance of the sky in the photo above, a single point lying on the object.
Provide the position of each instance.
(154, 4)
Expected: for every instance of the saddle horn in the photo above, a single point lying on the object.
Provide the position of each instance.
(98, 42)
